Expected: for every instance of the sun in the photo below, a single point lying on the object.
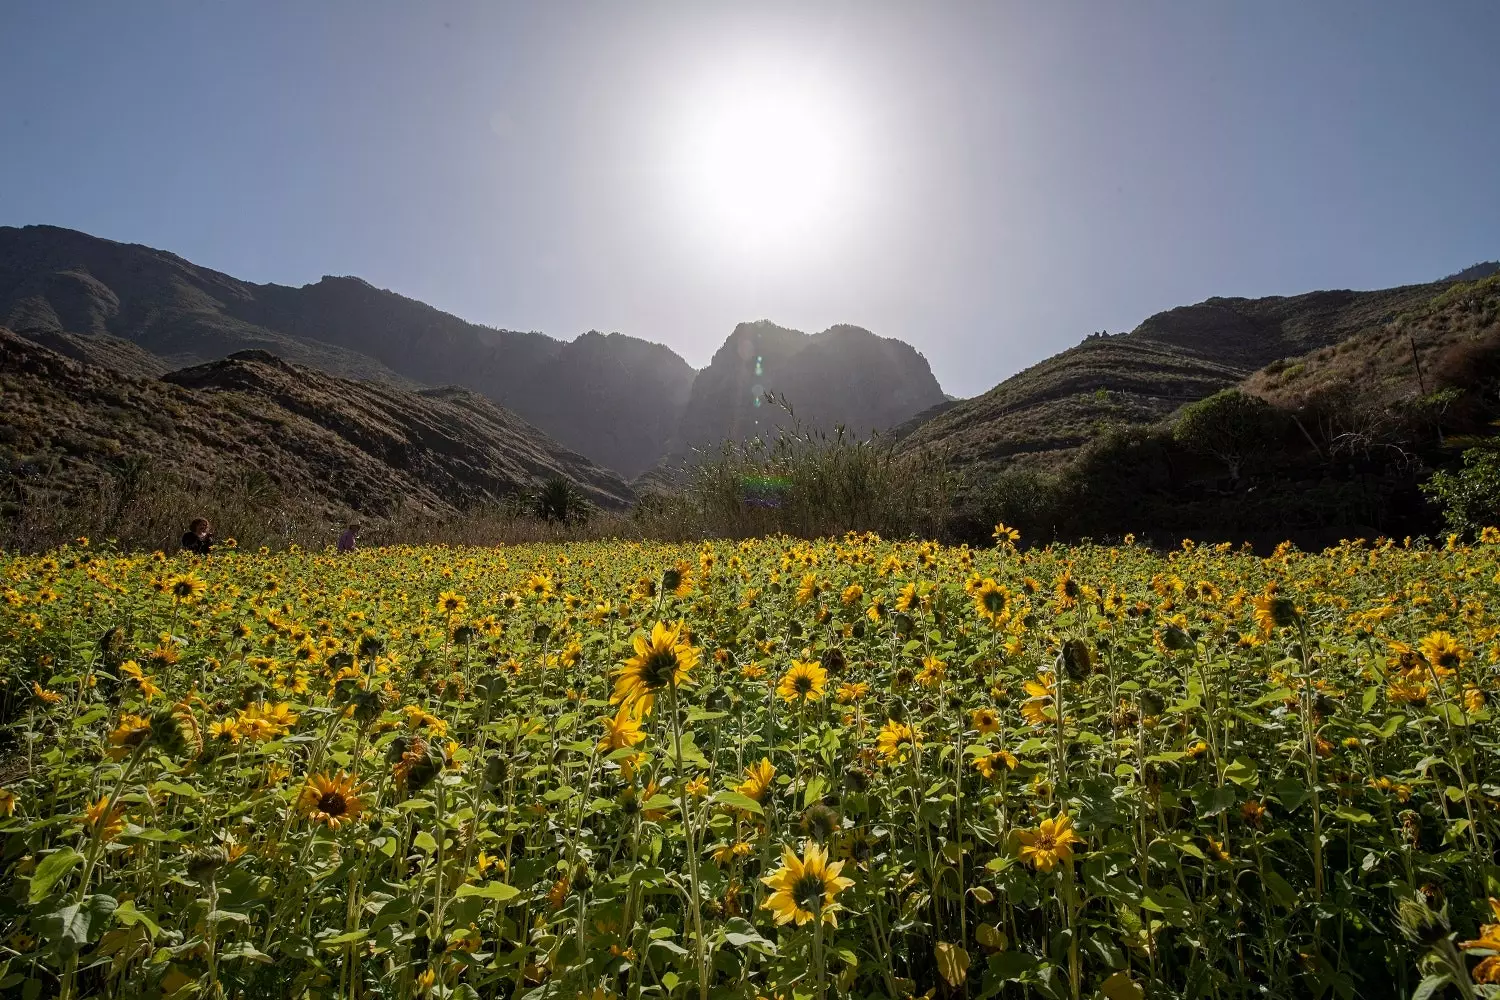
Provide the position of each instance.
(767, 163)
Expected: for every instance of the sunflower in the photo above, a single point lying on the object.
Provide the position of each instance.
(896, 739)
(809, 588)
(985, 720)
(105, 817)
(806, 681)
(662, 659)
(678, 580)
(1443, 652)
(1050, 843)
(333, 801)
(933, 671)
(1034, 709)
(132, 731)
(186, 588)
(451, 603)
(624, 730)
(1005, 535)
(47, 697)
(852, 595)
(852, 692)
(7, 802)
(726, 854)
(758, 779)
(991, 601)
(990, 764)
(805, 888)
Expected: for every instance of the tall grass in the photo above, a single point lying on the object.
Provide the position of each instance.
(805, 483)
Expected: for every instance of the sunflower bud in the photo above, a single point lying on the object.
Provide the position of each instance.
(496, 770)
(818, 821)
(203, 865)
(396, 750)
(834, 660)
(1176, 639)
(1077, 659)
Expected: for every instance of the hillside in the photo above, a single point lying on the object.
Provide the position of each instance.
(66, 427)
(613, 398)
(1041, 416)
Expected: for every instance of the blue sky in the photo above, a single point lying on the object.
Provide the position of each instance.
(997, 180)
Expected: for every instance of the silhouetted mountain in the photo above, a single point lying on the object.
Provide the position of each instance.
(842, 376)
(360, 446)
(613, 398)
(621, 401)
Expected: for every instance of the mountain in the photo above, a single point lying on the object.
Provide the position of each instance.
(843, 376)
(67, 426)
(614, 398)
(623, 402)
(1043, 415)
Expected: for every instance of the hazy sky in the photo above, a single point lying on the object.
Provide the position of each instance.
(988, 181)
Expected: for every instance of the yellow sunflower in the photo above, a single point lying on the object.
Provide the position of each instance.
(662, 659)
(991, 601)
(758, 779)
(1443, 652)
(805, 681)
(331, 800)
(1050, 843)
(896, 740)
(806, 888)
(624, 730)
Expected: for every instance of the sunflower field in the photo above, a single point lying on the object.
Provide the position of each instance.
(769, 768)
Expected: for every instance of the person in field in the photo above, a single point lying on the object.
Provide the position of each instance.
(199, 538)
(349, 538)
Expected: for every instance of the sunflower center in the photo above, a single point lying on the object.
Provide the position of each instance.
(333, 804)
(808, 891)
(802, 683)
(659, 667)
(994, 602)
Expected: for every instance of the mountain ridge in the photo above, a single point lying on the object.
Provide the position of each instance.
(623, 401)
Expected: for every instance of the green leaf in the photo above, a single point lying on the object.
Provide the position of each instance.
(1351, 815)
(129, 916)
(52, 869)
(497, 891)
(740, 933)
(1430, 986)
(1280, 889)
(424, 841)
(739, 800)
(348, 937)
(73, 926)
(176, 788)
(1241, 771)
(1216, 801)
(1120, 986)
(247, 951)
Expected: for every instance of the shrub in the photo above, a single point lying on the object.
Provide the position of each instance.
(1470, 497)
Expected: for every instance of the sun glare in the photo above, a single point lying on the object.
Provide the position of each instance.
(766, 165)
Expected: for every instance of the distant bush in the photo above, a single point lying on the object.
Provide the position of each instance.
(1469, 497)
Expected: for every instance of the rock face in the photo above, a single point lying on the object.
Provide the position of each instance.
(842, 376)
(623, 402)
(360, 446)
